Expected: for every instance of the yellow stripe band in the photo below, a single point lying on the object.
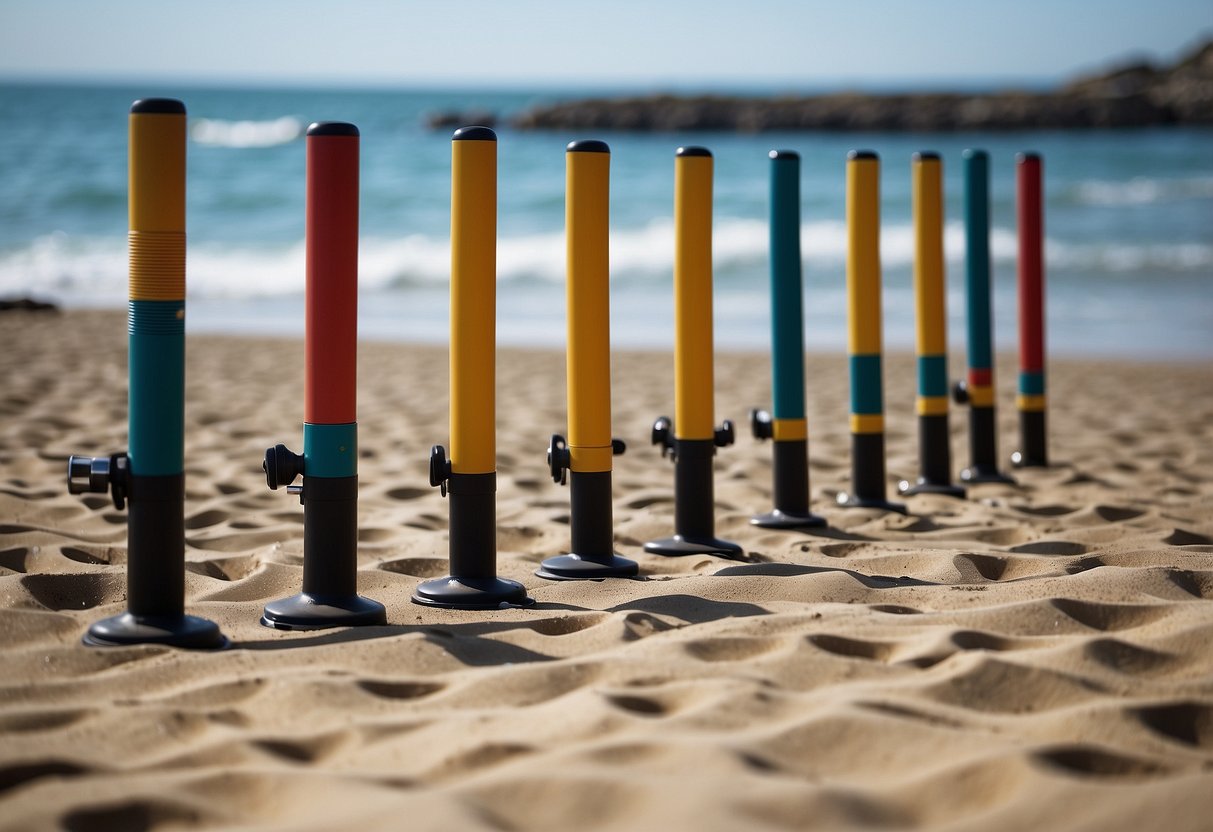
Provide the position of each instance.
(867, 423)
(981, 395)
(932, 405)
(588, 460)
(157, 265)
(1032, 404)
(787, 430)
(927, 200)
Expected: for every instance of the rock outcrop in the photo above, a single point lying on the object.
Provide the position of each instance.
(1130, 96)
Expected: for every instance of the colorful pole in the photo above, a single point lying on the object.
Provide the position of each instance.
(1031, 399)
(864, 338)
(151, 476)
(978, 390)
(931, 321)
(691, 440)
(470, 475)
(587, 455)
(329, 463)
(787, 426)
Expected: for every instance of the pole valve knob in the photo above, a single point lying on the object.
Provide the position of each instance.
(559, 459)
(663, 435)
(761, 426)
(99, 474)
(440, 468)
(960, 392)
(281, 466)
(618, 446)
(725, 434)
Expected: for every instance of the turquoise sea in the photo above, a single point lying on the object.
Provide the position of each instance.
(1129, 221)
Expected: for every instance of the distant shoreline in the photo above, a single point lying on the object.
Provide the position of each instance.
(1135, 95)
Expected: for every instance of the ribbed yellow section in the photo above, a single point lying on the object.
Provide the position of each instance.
(1030, 403)
(157, 265)
(693, 416)
(587, 220)
(981, 396)
(867, 423)
(156, 169)
(790, 429)
(473, 306)
(932, 405)
(863, 256)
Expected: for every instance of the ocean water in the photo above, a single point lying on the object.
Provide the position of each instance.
(1128, 219)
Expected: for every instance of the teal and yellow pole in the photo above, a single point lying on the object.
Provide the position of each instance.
(151, 475)
(864, 335)
(585, 459)
(931, 322)
(692, 438)
(977, 390)
(329, 462)
(470, 474)
(1031, 401)
(787, 426)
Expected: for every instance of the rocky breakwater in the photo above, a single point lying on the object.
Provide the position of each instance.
(1135, 95)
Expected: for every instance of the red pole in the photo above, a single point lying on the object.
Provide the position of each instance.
(332, 277)
(1031, 399)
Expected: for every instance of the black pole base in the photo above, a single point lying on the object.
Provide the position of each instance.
(186, 631)
(319, 612)
(846, 500)
(1032, 441)
(680, 546)
(472, 594)
(777, 519)
(574, 567)
(908, 489)
(982, 474)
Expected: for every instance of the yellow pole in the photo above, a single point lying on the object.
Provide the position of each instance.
(695, 436)
(587, 210)
(693, 416)
(473, 304)
(585, 461)
(470, 474)
(863, 334)
(930, 316)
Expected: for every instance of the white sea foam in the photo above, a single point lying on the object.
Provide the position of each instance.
(1141, 190)
(246, 133)
(92, 270)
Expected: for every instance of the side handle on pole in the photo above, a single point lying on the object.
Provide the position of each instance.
(99, 474)
(724, 435)
(761, 425)
(663, 435)
(440, 468)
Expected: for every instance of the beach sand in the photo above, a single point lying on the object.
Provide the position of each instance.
(1035, 657)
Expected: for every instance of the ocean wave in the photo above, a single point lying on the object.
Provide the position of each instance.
(94, 270)
(1139, 190)
(268, 133)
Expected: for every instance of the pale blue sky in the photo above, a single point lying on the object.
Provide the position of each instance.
(617, 42)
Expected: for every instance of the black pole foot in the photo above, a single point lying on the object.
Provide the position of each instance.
(472, 594)
(573, 567)
(908, 489)
(982, 474)
(680, 546)
(777, 519)
(186, 631)
(846, 500)
(318, 612)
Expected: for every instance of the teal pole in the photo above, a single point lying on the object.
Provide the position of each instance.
(787, 425)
